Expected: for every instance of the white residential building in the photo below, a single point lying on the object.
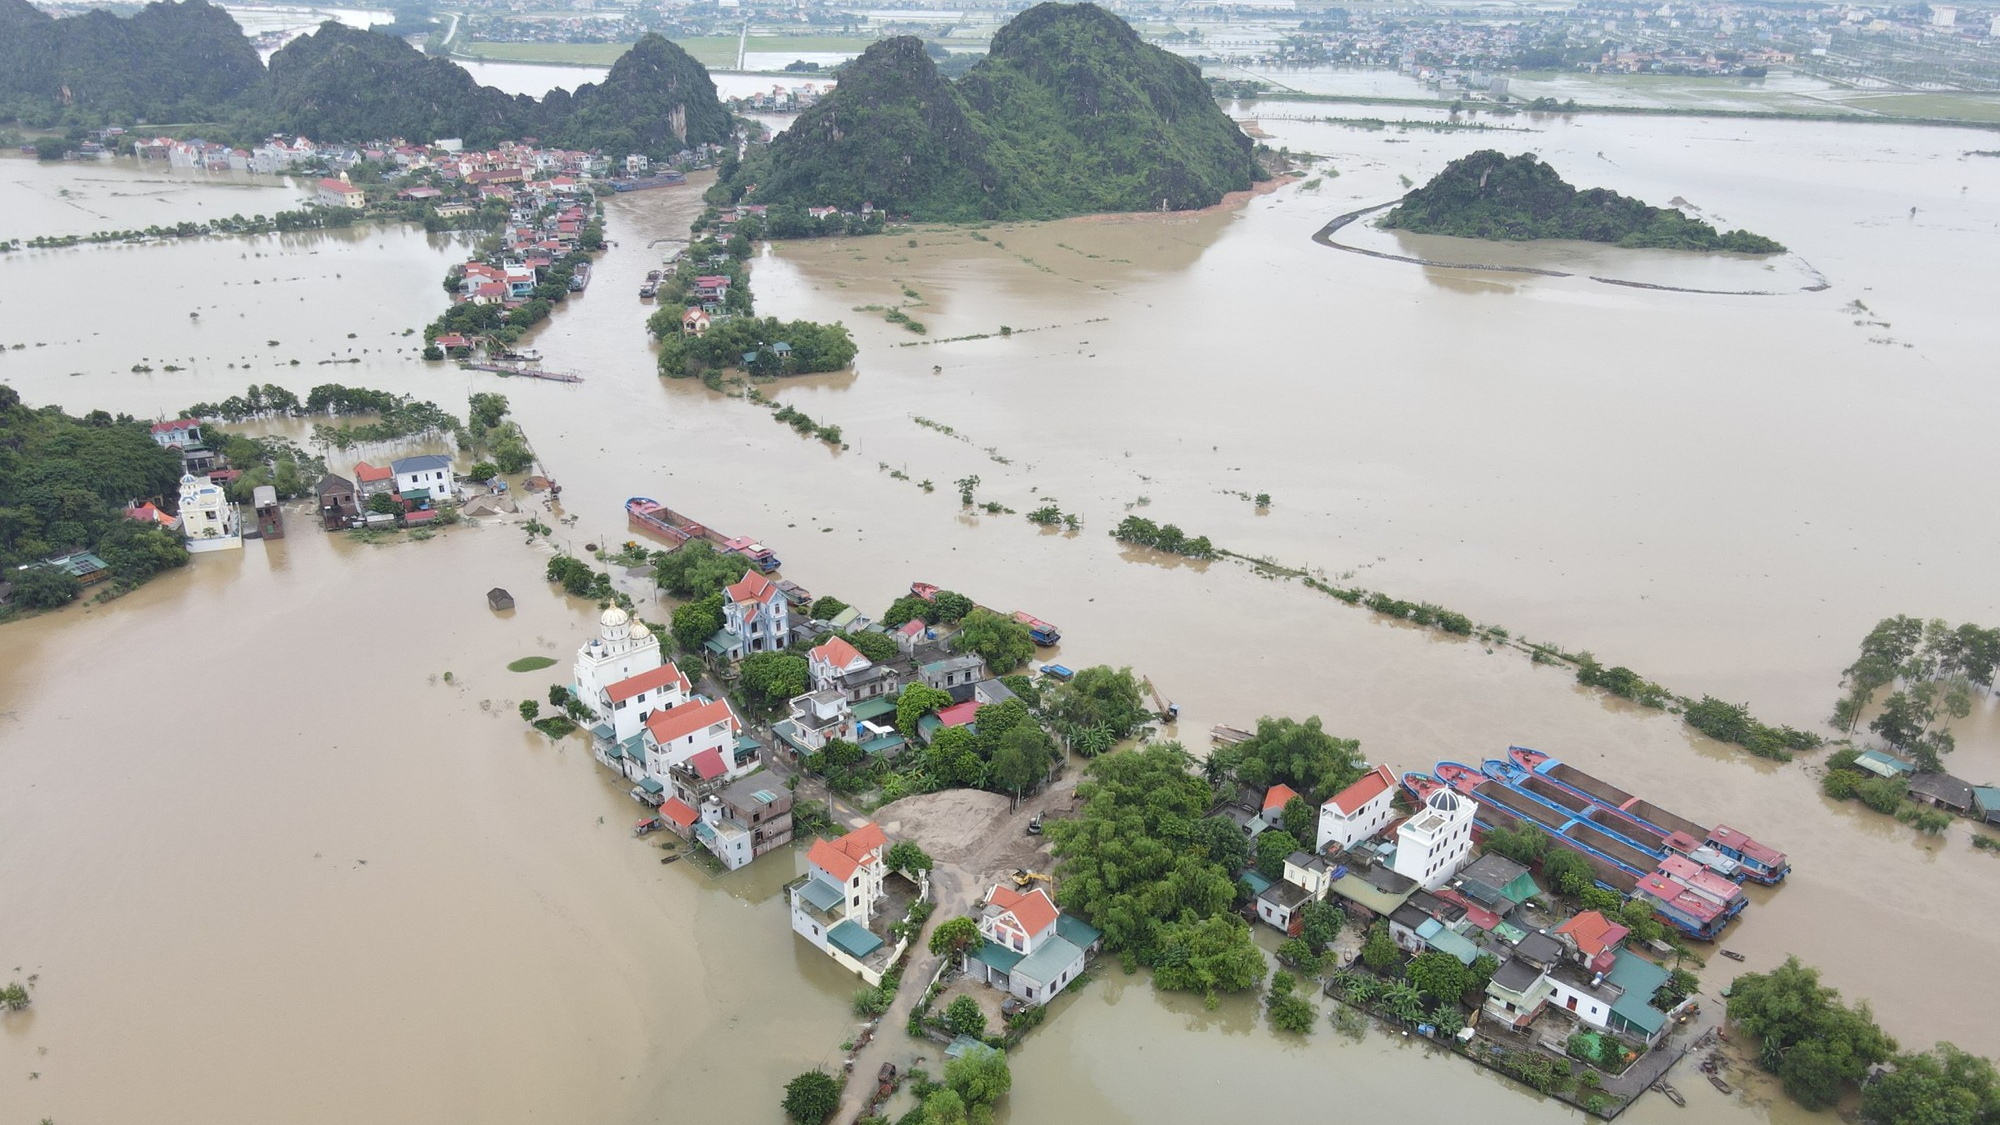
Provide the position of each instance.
(208, 520)
(427, 477)
(1357, 812)
(177, 434)
(833, 660)
(624, 706)
(697, 729)
(833, 904)
(1032, 950)
(818, 718)
(1433, 844)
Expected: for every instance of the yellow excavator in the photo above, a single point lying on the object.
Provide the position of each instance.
(1023, 876)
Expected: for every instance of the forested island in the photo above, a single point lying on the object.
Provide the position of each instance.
(190, 62)
(1070, 112)
(1493, 196)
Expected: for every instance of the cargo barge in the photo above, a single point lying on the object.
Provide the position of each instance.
(1755, 860)
(657, 519)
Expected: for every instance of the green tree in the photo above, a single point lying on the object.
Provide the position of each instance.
(1301, 821)
(952, 760)
(1213, 955)
(878, 647)
(949, 607)
(1100, 695)
(1525, 845)
(1018, 761)
(1300, 955)
(1223, 843)
(1379, 952)
(15, 998)
(826, 608)
(695, 570)
(769, 679)
(963, 1017)
(1567, 872)
(904, 610)
(908, 857)
(1291, 1012)
(1813, 1042)
(916, 701)
(45, 587)
(1477, 975)
(385, 504)
(811, 1097)
(1319, 923)
(956, 936)
(529, 710)
(697, 621)
(1942, 1086)
(981, 1078)
(1301, 755)
(1273, 846)
(1001, 641)
(1441, 976)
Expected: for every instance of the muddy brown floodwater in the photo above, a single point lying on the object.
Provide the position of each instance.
(1722, 492)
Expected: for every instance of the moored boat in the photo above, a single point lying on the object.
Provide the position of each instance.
(1041, 632)
(651, 516)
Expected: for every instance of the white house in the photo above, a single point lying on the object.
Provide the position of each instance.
(426, 477)
(1431, 845)
(340, 193)
(624, 706)
(208, 520)
(677, 734)
(177, 434)
(1032, 950)
(833, 660)
(1358, 811)
(755, 618)
(834, 902)
(819, 717)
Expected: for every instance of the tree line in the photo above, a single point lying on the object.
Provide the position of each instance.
(1930, 669)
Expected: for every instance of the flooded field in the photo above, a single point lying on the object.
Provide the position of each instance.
(1696, 486)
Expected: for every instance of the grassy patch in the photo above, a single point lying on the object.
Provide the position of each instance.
(530, 663)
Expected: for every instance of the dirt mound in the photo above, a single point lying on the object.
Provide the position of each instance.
(950, 825)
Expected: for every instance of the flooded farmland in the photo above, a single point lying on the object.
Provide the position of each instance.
(1722, 492)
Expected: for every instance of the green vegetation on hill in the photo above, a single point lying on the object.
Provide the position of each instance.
(1069, 112)
(64, 483)
(190, 61)
(168, 62)
(1494, 196)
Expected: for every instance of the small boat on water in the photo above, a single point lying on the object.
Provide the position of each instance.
(579, 279)
(1718, 1083)
(1672, 1094)
(1732, 954)
(1228, 736)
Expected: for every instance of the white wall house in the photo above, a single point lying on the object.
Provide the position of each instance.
(832, 660)
(1358, 811)
(836, 899)
(208, 520)
(177, 434)
(1032, 950)
(624, 706)
(619, 651)
(818, 718)
(677, 734)
(1433, 844)
(427, 477)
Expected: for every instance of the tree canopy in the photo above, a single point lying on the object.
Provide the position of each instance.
(1300, 755)
(1100, 696)
(1815, 1044)
(1002, 642)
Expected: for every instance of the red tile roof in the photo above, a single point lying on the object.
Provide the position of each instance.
(1593, 932)
(175, 425)
(331, 184)
(1478, 915)
(150, 514)
(679, 722)
(1032, 910)
(707, 765)
(1278, 796)
(754, 588)
(646, 681)
(1372, 785)
(837, 652)
(363, 471)
(841, 858)
(676, 810)
(959, 714)
(914, 627)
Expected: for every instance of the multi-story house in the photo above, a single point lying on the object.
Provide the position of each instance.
(755, 616)
(745, 820)
(208, 520)
(837, 665)
(835, 901)
(1032, 950)
(1357, 812)
(177, 434)
(425, 477)
(1431, 846)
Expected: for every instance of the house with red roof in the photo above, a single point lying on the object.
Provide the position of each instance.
(371, 479)
(1359, 811)
(838, 904)
(755, 618)
(179, 433)
(673, 735)
(1275, 800)
(625, 705)
(340, 193)
(148, 514)
(1592, 939)
(1032, 950)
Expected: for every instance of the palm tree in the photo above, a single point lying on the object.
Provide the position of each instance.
(1404, 1001)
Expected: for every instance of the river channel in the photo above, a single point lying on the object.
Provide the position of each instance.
(1722, 492)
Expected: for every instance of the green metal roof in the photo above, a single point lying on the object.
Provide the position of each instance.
(651, 785)
(1639, 978)
(1445, 941)
(821, 894)
(1986, 797)
(1078, 932)
(1258, 883)
(1048, 960)
(851, 939)
(998, 956)
(722, 642)
(928, 726)
(873, 708)
(882, 744)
